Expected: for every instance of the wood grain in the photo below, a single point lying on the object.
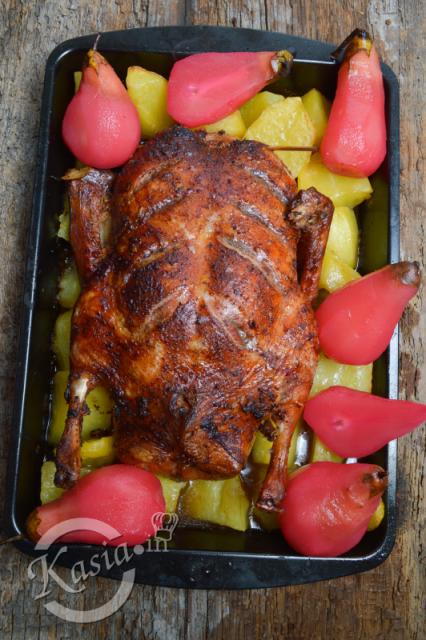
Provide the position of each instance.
(388, 602)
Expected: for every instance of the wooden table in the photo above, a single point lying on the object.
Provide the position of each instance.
(388, 602)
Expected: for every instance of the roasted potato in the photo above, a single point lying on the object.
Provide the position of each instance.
(335, 273)
(64, 222)
(148, 92)
(222, 502)
(261, 451)
(48, 490)
(61, 340)
(343, 191)
(343, 238)
(252, 109)
(233, 125)
(171, 492)
(321, 453)
(97, 452)
(318, 109)
(285, 123)
(377, 516)
(330, 373)
(69, 287)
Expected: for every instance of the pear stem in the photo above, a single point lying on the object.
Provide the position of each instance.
(358, 40)
(377, 481)
(282, 63)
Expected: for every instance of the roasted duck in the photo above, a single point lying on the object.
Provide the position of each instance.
(200, 263)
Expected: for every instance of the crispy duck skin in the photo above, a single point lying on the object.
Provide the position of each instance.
(198, 319)
(90, 228)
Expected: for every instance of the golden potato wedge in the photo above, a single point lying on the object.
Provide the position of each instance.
(261, 451)
(252, 109)
(69, 287)
(377, 516)
(61, 340)
(318, 108)
(285, 123)
(148, 92)
(343, 191)
(171, 492)
(321, 453)
(335, 273)
(330, 373)
(48, 490)
(233, 125)
(222, 502)
(77, 79)
(97, 452)
(64, 222)
(343, 238)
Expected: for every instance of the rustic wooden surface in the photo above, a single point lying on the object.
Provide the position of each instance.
(388, 602)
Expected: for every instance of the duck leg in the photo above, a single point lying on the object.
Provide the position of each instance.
(311, 213)
(90, 227)
(273, 488)
(68, 461)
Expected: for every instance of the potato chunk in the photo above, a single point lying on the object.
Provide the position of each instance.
(64, 222)
(222, 502)
(252, 109)
(97, 452)
(48, 490)
(285, 123)
(330, 373)
(61, 340)
(343, 239)
(171, 492)
(335, 273)
(69, 287)
(321, 453)
(98, 402)
(343, 191)
(148, 92)
(318, 108)
(77, 80)
(233, 125)
(261, 452)
(377, 516)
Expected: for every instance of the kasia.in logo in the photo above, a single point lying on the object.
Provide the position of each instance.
(164, 525)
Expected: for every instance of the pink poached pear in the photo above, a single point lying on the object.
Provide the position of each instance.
(328, 505)
(356, 322)
(121, 496)
(207, 87)
(101, 126)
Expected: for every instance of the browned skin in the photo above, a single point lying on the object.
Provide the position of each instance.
(90, 205)
(196, 320)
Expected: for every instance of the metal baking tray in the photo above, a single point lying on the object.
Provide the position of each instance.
(210, 558)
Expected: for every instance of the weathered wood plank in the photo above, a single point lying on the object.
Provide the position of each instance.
(385, 603)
